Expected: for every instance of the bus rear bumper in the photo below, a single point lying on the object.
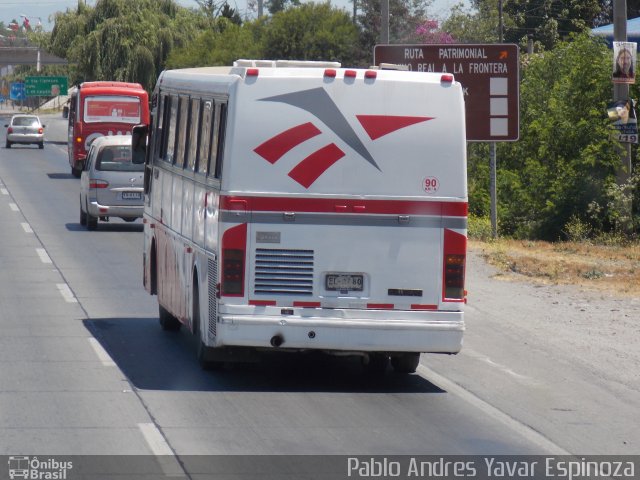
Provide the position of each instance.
(433, 332)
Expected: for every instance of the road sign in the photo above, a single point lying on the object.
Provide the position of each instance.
(16, 91)
(489, 75)
(45, 86)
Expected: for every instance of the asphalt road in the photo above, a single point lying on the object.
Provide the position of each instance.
(86, 370)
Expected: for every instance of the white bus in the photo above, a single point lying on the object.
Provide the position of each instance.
(302, 206)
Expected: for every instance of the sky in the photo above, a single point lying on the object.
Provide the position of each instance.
(41, 10)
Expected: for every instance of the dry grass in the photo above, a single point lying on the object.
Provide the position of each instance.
(614, 269)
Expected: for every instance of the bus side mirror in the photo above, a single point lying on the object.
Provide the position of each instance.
(139, 137)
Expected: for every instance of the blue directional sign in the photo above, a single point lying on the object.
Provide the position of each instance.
(17, 91)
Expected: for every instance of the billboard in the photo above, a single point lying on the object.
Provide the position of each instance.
(489, 74)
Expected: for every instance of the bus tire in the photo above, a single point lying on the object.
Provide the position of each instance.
(202, 351)
(405, 362)
(376, 363)
(92, 222)
(76, 172)
(168, 322)
(83, 216)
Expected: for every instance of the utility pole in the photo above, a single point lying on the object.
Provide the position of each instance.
(621, 90)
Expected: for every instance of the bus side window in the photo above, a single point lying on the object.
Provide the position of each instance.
(205, 136)
(72, 109)
(194, 127)
(222, 128)
(170, 129)
(215, 128)
(158, 133)
(182, 125)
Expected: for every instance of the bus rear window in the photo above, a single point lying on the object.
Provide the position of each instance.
(111, 109)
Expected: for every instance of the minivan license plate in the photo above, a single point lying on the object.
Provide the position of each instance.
(131, 195)
(342, 281)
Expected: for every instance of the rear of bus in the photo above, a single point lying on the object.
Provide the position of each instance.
(101, 109)
(343, 212)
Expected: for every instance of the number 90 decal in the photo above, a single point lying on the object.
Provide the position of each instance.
(430, 184)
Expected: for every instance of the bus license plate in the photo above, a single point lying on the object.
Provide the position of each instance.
(131, 195)
(342, 281)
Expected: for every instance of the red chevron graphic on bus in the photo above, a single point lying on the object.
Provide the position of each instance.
(274, 148)
(307, 171)
(378, 126)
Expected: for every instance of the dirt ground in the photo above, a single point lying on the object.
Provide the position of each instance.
(614, 270)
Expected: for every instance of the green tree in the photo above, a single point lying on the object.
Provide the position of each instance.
(275, 6)
(405, 16)
(122, 40)
(219, 46)
(565, 160)
(548, 21)
(477, 25)
(312, 31)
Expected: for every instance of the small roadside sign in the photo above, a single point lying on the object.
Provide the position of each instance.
(45, 86)
(16, 91)
(489, 74)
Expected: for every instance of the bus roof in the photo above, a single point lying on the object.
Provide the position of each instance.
(110, 84)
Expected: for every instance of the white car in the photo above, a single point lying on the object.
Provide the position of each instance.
(111, 185)
(26, 129)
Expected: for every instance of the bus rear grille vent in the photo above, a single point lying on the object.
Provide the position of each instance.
(212, 282)
(283, 272)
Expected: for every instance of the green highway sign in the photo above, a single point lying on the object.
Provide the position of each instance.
(45, 86)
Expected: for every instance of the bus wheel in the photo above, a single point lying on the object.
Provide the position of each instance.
(405, 362)
(203, 352)
(376, 363)
(76, 172)
(83, 216)
(92, 222)
(167, 321)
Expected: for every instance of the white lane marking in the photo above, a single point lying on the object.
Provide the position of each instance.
(44, 258)
(102, 354)
(499, 366)
(14, 207)
(162, 451)
(4, 191)
(520, 428)
(27, 228)
(66, 293)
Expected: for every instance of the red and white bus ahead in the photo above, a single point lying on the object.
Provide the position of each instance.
(102, 108)
(302, 206)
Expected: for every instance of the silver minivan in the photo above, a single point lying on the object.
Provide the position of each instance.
(111, 185)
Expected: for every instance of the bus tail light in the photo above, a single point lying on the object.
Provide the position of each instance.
(93, 183)
(455, 249)
(234, 243)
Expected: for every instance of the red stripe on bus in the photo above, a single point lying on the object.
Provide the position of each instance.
(328, 205)
(262, 303)
(308, 170)
(274, 148)
(416, 306)
(306, 304)
(383, 306)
